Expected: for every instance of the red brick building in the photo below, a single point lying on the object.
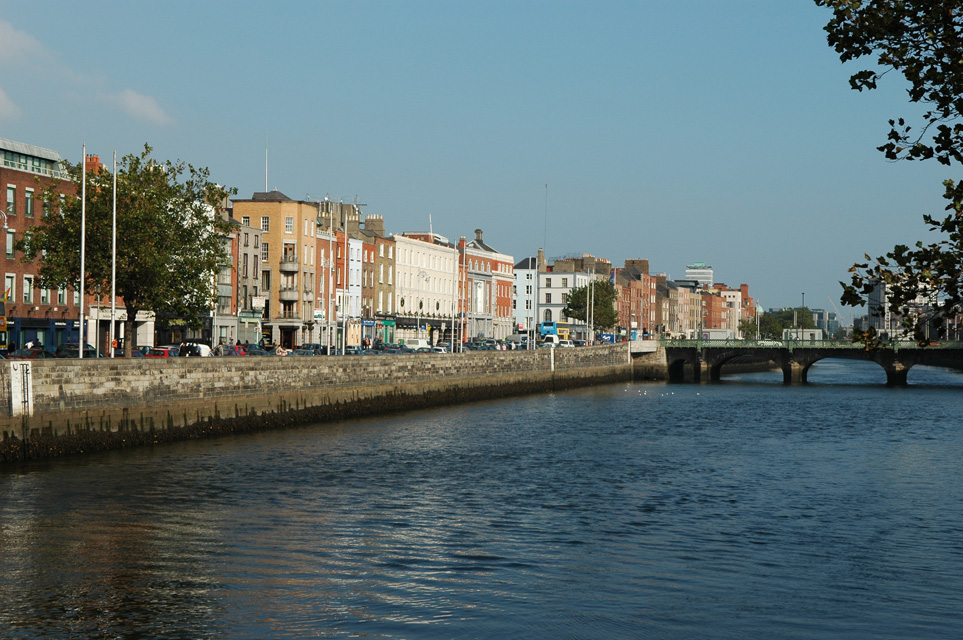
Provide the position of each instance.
(49, 317)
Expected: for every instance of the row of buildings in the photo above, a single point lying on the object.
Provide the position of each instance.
(304, 271)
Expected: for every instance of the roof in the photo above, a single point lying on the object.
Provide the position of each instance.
(29, 150)
(266, 196)
(527, 263)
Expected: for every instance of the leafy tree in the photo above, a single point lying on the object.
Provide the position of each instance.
(747, 328)
(923, 41)
(604, 298)
(771, 325)
(169, 238)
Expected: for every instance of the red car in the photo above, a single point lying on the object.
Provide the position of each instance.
(162, 352)
(29, 354)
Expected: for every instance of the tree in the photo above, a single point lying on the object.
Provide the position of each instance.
(771, 325)
(604, 297)
(747, 328)
(922, 40)
(169, 238)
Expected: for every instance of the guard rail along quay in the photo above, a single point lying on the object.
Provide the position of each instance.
(56, 407)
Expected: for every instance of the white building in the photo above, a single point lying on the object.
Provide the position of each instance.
(701, 273)
(523, 295)
(426, 270)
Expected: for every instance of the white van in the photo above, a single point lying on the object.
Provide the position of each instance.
(417, 343)
(551, 338)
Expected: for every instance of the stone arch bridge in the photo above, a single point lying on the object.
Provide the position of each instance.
(702, 360)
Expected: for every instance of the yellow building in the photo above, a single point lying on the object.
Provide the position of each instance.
(288, 265)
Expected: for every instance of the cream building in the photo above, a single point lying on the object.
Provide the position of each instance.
(426, 270)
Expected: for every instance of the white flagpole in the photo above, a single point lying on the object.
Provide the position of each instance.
(113, 266)
(83, 247)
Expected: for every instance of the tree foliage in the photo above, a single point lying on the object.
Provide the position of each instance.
(771, 325)
(169, 237)
(923, 41)
(604, 299)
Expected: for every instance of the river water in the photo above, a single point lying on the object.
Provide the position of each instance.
(732, 510)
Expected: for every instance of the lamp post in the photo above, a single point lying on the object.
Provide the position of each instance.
(422, 276)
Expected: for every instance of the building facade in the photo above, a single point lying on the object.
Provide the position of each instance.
(288, 265)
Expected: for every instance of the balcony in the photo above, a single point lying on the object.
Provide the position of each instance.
(289, 263)
(288, 294)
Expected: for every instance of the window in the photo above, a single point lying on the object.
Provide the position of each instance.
(265, 223)
(10, 286)
(28, 289)
(61, 295)
(244, 271)
(564, 282)
(257, 241)
(28, 207)
(265, 281)
(548, 298)
(264, 252)
(288, 225)
(246, 221)
(246, 238)
(381, 251)
(10, 242)
(389, 257)
(45, 296)
(548, 282)
(11, 198)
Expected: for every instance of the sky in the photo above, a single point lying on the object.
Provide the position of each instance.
(716, 131)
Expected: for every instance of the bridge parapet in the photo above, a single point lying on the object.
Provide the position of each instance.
(792, 345)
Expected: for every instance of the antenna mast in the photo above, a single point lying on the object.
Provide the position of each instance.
(265, 162)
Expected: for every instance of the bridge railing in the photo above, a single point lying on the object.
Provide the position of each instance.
(803, 344)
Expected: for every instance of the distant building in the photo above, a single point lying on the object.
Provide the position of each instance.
(701, 273)
(523, 298)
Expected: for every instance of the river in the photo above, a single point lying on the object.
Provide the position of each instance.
(731, 510)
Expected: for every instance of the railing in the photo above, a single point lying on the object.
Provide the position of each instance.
(804, 344)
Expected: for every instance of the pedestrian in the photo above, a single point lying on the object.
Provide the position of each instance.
(29, 344)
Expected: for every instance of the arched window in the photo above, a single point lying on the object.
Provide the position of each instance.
(548, 315)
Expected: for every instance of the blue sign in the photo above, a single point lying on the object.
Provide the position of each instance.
(607, 337)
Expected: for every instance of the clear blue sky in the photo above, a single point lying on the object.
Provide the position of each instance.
(693, 130)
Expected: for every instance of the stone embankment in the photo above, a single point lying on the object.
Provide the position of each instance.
(57, 407)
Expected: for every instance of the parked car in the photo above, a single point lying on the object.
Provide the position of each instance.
(352, 350)
(235, 350)
(136, 353)
(770, 343)
(29, 354)
(163, 352)
(71, 350)
(315, 348)
(566, 343)
(256, 351)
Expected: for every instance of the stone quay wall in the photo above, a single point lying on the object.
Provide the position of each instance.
(56, 407)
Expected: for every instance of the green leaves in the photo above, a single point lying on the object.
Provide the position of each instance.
(923, 41)
(169, 237)
(604, 298)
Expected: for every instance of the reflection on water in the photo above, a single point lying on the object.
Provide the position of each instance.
(671, 511)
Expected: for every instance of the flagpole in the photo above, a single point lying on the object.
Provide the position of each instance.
(83, 248)
(113, 267)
